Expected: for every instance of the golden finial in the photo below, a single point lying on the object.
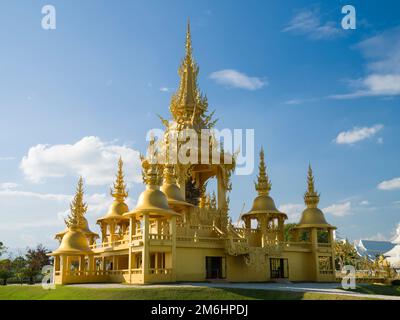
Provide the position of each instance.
(311, 197)
(263, 185)
(169, 174)
(119, 191)
(188, 46)
(152, 175)
(188, 106)
(78, 208)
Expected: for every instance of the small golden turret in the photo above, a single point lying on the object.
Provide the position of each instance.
(263, 203)
(78, 208)
(151, 201)
(263, 184)
(312, 216)
(311, 197)
(119, 193)
(75, 239)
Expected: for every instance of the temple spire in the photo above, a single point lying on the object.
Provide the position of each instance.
(188, 46)
(311, 197)
(263, 184)
(188, 106)
(119, 190)
(78, 208)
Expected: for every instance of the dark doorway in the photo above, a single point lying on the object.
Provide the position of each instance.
(214, 268)
(279, 268)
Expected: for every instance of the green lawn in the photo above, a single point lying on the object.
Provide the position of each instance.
(378, 289)
(15, 292)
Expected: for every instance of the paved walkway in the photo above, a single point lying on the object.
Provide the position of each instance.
(323, 288)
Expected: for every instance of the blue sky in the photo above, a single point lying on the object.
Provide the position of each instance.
(73, 99)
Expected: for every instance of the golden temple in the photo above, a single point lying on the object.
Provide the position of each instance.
(179, 232)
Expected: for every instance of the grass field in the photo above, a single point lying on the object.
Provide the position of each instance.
(378, 289)
(16, 292)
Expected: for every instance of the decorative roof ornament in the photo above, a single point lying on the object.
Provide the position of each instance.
(188, 106)
(119, 190)
(311, 197)
(169, 174)
(78, 209)
(263, 184)
(152, 175)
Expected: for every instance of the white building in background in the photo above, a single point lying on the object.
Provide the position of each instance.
(393, 255)
(372, 249)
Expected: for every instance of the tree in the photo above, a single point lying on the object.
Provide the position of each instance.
(345, 254)
(288, 231)
(3, 248)
(19, 267)
(322, 236)
(36, 260)
(5, 270)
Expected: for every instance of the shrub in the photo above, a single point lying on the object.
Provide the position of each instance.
(396, 283)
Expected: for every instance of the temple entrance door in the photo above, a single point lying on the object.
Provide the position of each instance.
(279, 268)
(214, 268)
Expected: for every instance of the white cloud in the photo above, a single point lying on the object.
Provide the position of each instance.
(164, 89)
(90, 157)
(357, 134)
(8, 185)
(236, 79)
(43, 196)
(390, 184)
(339, 209)
(377, 237)
(374, 85)
(98, 204)
(293, 210)
(308, 22)
(382, 53)
(396, 236)
(299, 101)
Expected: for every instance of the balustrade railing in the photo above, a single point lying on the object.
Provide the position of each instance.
(160, 271)
(82, 273)
(155, 236)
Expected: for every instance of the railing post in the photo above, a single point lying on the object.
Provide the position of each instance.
(130, 249)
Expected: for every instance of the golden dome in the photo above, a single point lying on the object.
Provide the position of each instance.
(152, 201)
(171, 189)
(313, 217)
(263, 204)
(174, 195)
(85, 229)
(73, 242)
(116, 211)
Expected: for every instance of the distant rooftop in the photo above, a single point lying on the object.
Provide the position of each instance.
(372, 248)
